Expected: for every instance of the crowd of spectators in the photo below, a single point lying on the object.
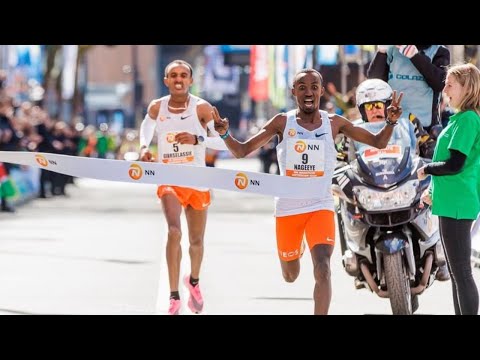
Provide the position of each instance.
(28, 127)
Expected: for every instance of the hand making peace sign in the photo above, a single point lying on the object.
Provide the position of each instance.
(394, 111)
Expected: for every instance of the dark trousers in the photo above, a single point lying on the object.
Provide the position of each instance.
(45, 176)
(457, 243)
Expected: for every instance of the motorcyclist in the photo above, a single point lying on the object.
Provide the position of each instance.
(373, 97)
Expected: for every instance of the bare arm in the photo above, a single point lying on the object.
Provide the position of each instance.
(379, 140)
(239, 149)
(213, 140)
(204, 110)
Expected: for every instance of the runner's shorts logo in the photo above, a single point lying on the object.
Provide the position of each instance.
(241, 181)
(300, 146)
(41, 160)
(135, 172)
(292, 132)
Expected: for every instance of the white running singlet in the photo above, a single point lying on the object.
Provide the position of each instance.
(169, 124)
(306, 153)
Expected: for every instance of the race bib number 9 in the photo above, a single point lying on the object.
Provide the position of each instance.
(305, 158)
(174, 152)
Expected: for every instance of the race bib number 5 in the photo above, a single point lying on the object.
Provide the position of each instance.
(174, 152)
(305, 158)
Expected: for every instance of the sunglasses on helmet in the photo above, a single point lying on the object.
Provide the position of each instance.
(377, 104)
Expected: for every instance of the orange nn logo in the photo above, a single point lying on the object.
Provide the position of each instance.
(292, 132)
(300, 146)
(41, 160)
(171, 137)
(241, 181)
(135, 172)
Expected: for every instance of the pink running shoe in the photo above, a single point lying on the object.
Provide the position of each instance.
(195, 301)
(175, 306)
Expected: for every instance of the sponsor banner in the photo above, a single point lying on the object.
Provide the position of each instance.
(165, 174)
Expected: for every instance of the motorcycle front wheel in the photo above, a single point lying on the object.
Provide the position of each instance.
(398, 284)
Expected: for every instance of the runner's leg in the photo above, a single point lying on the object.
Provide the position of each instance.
(196, 220)
(172, 210)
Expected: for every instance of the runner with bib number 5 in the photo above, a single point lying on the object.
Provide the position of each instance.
(181, 120)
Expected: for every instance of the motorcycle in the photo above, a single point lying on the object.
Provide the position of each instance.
(389, 240)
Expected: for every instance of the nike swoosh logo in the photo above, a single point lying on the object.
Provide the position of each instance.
(184, 117)
(317, 135)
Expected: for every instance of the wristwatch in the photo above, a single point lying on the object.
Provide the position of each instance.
(387, 120)
(199, 139)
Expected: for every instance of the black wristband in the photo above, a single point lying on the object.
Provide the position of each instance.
(426, 170)
(196, 140)
(391, 123)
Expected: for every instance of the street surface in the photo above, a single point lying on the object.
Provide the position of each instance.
(102, 251)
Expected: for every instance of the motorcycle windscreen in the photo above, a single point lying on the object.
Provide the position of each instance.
(385, 167)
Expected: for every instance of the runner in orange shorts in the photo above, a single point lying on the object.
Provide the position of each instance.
(181, 121)
(306, 149)
(199, 200)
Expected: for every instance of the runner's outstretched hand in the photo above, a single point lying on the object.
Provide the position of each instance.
(221, 125)
(146, 155)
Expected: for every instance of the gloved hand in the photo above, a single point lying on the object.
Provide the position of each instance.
(408, 50)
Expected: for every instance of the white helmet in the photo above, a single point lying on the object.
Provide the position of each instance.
(373, 90)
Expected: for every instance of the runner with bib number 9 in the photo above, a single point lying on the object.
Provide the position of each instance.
(306, 149)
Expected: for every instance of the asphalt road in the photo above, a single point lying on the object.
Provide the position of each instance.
(102, 251)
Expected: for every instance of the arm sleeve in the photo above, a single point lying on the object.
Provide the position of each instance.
(214, 142)
(434, 71)
(450, 167)
(147, 130)
(378, 69)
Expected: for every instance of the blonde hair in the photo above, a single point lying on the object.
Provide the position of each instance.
(468, 76)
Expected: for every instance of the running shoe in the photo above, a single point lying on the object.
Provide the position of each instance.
(195, 301)
(175, 306)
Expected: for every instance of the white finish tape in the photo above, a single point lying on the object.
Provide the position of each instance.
(179, 175)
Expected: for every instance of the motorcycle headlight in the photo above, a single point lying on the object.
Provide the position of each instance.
(373, 200)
